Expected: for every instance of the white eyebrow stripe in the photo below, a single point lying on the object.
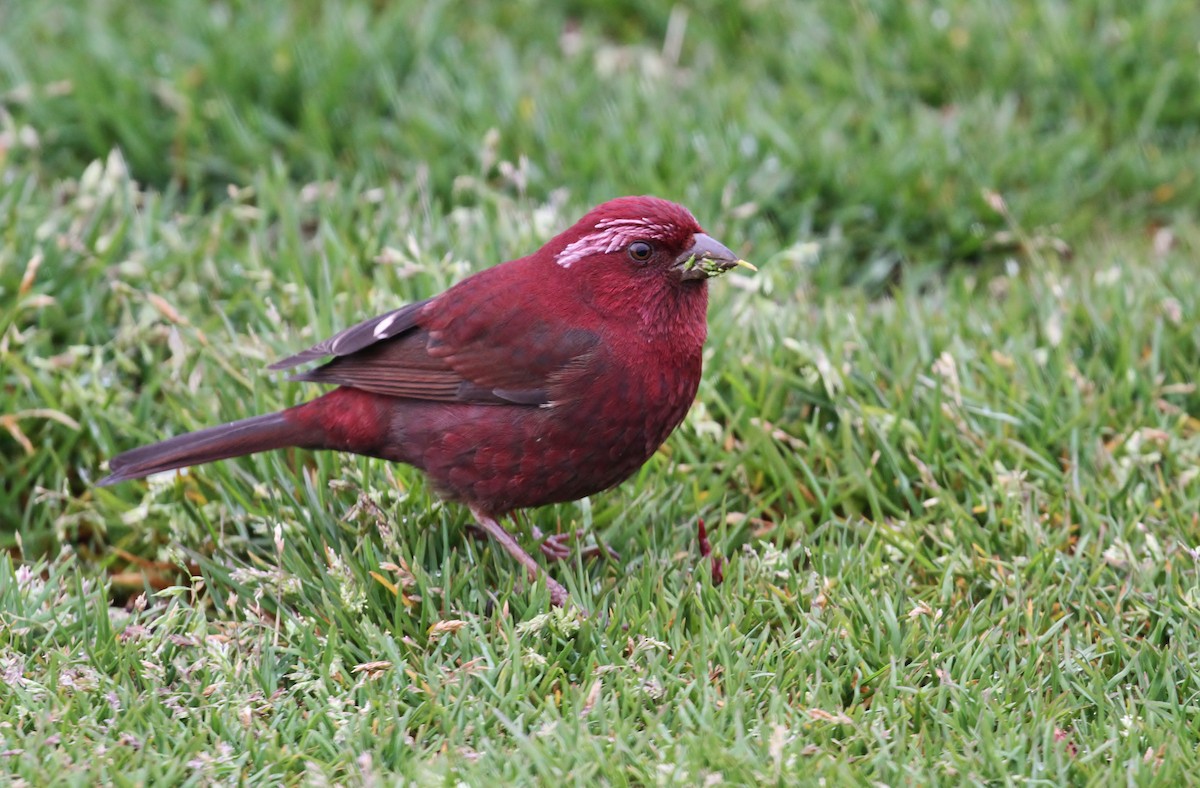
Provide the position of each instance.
(608, 236)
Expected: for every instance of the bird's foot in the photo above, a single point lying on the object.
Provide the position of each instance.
(555, 546)
(489, 525)
(475, 532)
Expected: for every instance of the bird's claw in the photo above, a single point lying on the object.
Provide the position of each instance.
(555, 547)
(558, 594)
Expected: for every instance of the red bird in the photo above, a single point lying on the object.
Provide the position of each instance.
(540, 380)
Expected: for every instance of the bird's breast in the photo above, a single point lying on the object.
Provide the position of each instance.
(602, 425)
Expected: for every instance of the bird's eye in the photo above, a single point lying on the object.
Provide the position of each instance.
(640, 251)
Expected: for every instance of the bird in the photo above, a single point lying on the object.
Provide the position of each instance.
(540, 380)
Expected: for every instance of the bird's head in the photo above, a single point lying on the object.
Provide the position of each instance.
(643, 239)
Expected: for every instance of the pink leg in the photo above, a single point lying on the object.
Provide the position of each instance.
(558, 594)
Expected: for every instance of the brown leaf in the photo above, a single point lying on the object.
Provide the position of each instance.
(593, 697)
(442, 627)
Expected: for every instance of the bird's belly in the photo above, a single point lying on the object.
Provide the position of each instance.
(504, 458)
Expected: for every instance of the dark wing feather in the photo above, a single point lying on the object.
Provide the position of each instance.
(399, 367)
(495, 333)
(482, 342)
(357, 337)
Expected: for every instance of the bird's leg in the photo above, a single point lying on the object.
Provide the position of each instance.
(558, 594)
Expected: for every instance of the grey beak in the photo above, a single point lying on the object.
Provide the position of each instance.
(707, 258)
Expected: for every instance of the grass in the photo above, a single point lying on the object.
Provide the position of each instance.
(947, 437)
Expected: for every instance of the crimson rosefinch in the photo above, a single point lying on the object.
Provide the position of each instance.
(537, 381)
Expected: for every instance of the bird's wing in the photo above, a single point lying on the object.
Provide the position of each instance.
(357, 337)
(481, 341)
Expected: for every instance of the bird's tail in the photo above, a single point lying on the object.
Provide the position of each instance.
(248, 436)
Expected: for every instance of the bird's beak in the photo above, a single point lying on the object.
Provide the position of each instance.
(707, 258)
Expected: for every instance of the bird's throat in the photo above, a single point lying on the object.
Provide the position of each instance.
(676, 317)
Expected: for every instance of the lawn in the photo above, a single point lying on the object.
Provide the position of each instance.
(948, 438)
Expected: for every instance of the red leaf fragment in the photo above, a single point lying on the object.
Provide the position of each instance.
(718, 563)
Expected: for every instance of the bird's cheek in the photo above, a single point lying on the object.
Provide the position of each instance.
(581, 290)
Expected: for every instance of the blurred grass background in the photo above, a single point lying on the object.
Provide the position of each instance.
(948, 436)
(878, 121)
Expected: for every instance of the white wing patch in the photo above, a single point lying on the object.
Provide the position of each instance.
(608, 236)
(381, 329)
